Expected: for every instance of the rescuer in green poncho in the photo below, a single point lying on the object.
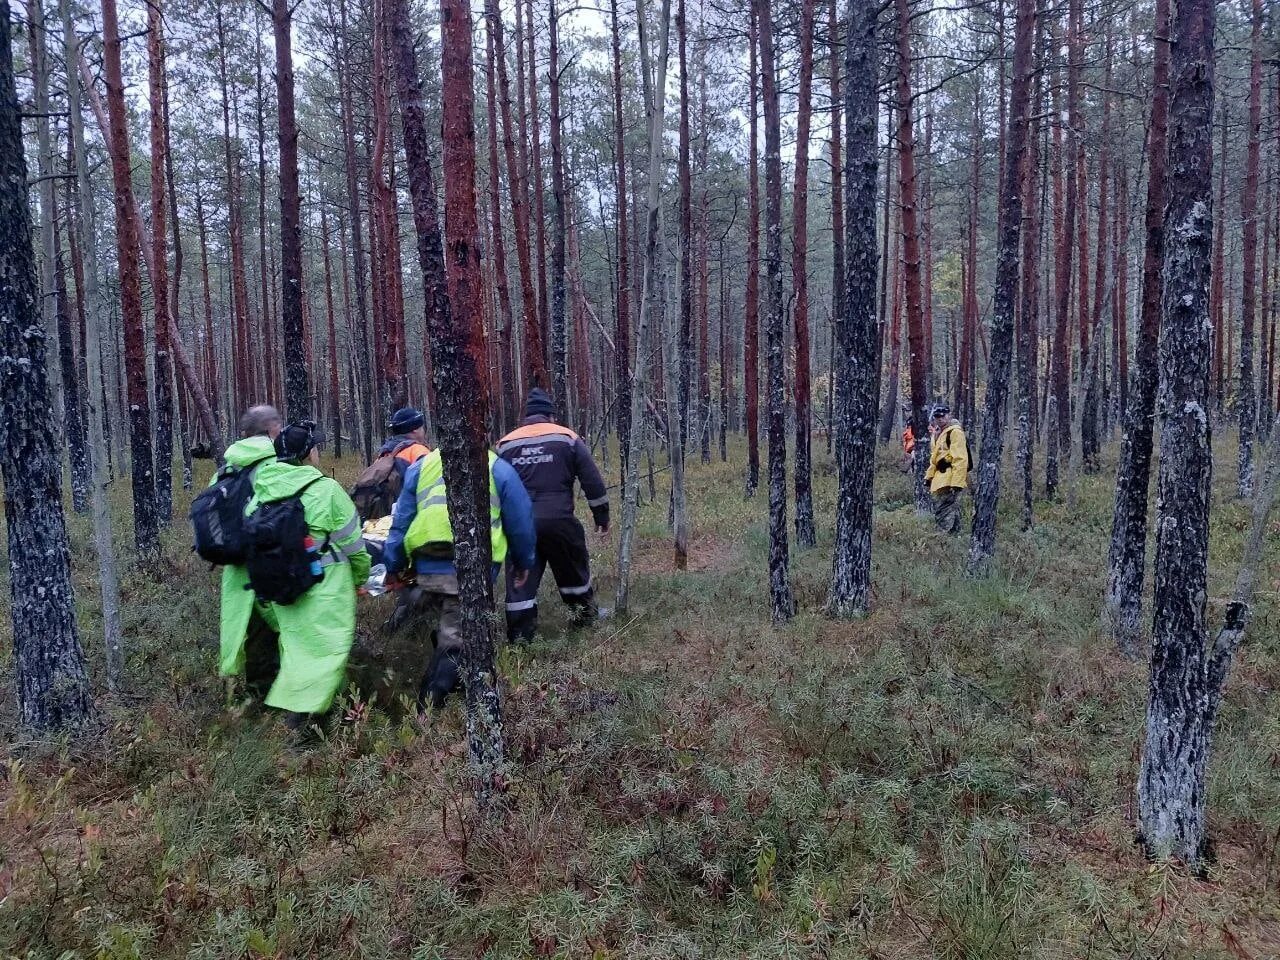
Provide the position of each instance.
(247, 629)
(317, 629)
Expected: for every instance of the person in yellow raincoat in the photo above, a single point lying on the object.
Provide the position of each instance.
(317, 629)
(948, 472)
(247, 629)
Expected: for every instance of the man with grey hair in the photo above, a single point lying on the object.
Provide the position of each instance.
(248, 643)
(263, 420)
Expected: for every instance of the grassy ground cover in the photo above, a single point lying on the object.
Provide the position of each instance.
(950, 777)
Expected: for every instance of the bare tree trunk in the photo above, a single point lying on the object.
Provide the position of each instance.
(1183, 699)
(657, 113)
(622, 346)
(296, 380)
(987, 496)
(360, 345)
(1247, 397)
(52, 685)
(1030, 301)
(128, 238)
(1216, 299)
(837, 217)
(781, 602)
(857, 374)
(684, 357)
(456, 337)
(85, 226)
(559, 336)
(510, 415)
(160, 266)
(751, 311)
(1126, 558)
(806, 535)
(911, 256)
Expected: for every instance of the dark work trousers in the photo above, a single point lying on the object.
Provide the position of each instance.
(562, 544)
(261, 655)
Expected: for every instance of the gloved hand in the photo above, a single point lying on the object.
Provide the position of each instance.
(944, 464)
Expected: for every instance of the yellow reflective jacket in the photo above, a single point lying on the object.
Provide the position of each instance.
(430, 530)
(950, 447)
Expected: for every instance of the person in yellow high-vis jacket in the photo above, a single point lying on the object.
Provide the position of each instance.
(247, 644)
(317, 629)
(948, 472)
(422, 535)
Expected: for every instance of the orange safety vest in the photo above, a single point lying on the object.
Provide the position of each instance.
(908, 440)
(411, 453)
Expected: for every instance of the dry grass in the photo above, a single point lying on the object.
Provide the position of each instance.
(951, 776)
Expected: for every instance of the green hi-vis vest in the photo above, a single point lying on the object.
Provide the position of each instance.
(430, 532)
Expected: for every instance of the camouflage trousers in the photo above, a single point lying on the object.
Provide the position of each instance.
(946, 509)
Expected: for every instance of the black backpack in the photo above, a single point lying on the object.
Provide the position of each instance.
(217, 516)
(280, 567)
(378, 486)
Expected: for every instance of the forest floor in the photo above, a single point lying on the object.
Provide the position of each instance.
(951, 777)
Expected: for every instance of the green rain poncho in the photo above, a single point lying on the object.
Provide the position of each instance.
(237, 600)
(317, 630)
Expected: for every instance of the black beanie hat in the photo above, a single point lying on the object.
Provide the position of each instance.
(539, 404)
(406, 419)
(297, 439)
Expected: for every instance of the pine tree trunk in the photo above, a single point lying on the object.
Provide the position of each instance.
(806, 535)
(911, 256)
(52, 685)
(657, 112)
(297, 386)
(455, 334)
(559, 334)
(534, 352)
(1247, 395)
(856, 378)
(160, 267)
(685, 226)
(360, 345)
(510, 415)
(622, 325)
(55, 309)
(535, 159)
(1171, 783)
(751, 308)
(1126, 558)
(85, 227)
(837, 216)
(128, 239)
(781, 602)
(335, 392)
(991, 455)
(1029, 319)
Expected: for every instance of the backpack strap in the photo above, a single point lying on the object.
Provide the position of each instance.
(296, 493)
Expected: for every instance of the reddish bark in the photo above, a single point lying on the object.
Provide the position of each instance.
(128, 240)
(455, 333)
(241, 362)
(160, 266)
(498, 244)
(534, 358)
(535, 156)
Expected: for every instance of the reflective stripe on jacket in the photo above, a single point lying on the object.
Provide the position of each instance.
(431, 530)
